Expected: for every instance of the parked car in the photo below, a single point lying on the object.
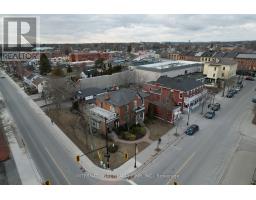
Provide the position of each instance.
(254, 100)
(229, 95)
(249, 78)
(192, 129)
(240, 82)
(214, 107)
(210, 115)
(237, 88)
(233, 90)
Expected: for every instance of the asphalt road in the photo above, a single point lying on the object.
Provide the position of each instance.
(203, 157)
(198, 159)
(50, 157)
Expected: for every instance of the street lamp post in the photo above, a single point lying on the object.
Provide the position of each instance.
(135, 166)
(188, 113)
(107, 153)
(224, 87)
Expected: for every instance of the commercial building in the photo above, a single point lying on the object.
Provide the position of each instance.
(84, 56)
(170, 68)
(180, 91)
(220, 69)
(246, 61)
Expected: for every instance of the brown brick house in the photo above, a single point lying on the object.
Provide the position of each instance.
(178, 91)
(246, 62)
(128, 104)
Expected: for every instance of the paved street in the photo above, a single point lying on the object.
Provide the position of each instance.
(51, 157)
(202, 158)
(198, 159)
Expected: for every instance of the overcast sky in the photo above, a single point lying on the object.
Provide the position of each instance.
(146, 28)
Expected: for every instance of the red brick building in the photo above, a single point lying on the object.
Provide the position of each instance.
(128, 104)
(75, 57)
(246, 62)
(176, 56)
(179, 91)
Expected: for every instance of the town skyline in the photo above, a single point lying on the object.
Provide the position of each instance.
(125, 28)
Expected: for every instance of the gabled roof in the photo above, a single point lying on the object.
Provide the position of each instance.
(198, 54)
(223, 61)
(92, 91)
(190, 53)
(219, 54)
(208, 54)
(179, 83)
(37, 81)
(121, 97)
(231, 54)
(31, 76)
(246, 55)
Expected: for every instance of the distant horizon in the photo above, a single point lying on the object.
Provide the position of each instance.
(134, 28)
(235, 41)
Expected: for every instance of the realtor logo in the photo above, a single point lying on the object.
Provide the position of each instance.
(19, 36)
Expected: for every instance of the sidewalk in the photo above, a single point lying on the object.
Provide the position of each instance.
(243, 161)
(144, 157)
(24, 164)
(127, 170)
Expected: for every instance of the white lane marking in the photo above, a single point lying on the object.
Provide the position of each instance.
(185, 163)
(131, 182)
(181, 168)
(176, 148)
(54, 161)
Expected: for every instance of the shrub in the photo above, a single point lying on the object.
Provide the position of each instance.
(57, 72)
(129, 136)
(113, 148)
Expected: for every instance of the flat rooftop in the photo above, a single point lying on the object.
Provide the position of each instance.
(169, 65)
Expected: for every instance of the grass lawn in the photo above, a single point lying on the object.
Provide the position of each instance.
(157, 128)
(76, 130)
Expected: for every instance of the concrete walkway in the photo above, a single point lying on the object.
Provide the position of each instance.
(25, 166)
(145, 138)
(127, 170)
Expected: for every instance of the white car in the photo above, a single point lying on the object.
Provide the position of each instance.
(237, 89)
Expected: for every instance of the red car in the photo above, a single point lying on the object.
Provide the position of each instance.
(249, 78)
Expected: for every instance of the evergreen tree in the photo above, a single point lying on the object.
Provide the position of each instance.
(45, 66)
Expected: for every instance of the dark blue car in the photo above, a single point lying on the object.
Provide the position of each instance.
(210, 115)
(192, 129)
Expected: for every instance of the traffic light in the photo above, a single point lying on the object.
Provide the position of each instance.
(77, 158)
(47, 182)
(126, 156)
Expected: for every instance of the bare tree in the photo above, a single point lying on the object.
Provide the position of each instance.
(59, 90)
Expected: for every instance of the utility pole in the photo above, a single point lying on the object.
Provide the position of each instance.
(135, 166)
(203, 103)
(224, 87)
(107, 153)
(188, 113)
